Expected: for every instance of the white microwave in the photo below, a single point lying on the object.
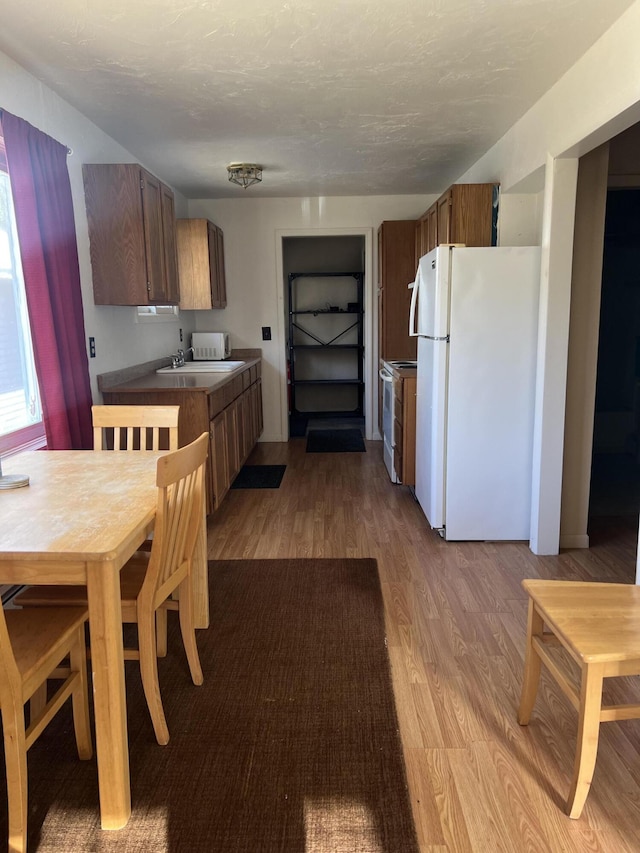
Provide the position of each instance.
(210, 346)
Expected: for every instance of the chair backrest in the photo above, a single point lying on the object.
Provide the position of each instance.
(179, 513)
(135, 427)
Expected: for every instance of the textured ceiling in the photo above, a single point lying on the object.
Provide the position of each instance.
(332, 97)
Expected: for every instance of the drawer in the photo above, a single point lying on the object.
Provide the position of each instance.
(232, 390)
(217, 402)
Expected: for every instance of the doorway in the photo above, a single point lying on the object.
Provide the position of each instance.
(615, 469)
(325, 284)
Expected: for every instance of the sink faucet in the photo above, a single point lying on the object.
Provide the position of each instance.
(177, 358)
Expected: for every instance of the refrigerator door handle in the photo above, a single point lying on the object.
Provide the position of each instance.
(415, 286)
(431, 338)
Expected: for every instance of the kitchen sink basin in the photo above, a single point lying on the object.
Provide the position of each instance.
(203, 367)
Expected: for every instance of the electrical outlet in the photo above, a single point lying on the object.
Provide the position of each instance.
(180, 335)
(266, 333)
(92, 347)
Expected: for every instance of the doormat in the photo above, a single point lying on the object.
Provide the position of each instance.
(291, 743)
(259, 477)
(335, 441)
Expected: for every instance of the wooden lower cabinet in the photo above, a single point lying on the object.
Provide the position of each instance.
(404, 429)
(232, 415)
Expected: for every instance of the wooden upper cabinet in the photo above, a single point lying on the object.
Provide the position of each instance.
(201, 265)
(462, 214)
(131, 220)
(427, 232)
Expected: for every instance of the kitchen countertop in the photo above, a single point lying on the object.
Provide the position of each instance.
(399, 372)
(144, 377)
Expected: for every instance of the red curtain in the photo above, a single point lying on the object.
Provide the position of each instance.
(41, 191)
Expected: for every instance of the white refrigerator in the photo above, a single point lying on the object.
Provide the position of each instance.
(475, 314)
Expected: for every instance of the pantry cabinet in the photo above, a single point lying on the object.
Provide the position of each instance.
(201, 265)
(132, 235)
(396, 269)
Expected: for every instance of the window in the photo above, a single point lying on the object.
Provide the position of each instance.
(20, 409)
(156, 313)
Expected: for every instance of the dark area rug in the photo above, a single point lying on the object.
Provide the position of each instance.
(290, 745)
(259, 477)
(335, 441)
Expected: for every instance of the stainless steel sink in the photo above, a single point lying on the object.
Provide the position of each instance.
(204, 367)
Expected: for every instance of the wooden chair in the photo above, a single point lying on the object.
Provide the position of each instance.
(129, 428)
(598, 625)
(135, 427)
(32, 645)
(148, 580)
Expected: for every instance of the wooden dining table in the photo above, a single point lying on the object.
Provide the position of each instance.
(82, 516)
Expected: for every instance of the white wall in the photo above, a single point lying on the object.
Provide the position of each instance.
(253, 231)
(120, 341)
(596, 99)
(520, 219)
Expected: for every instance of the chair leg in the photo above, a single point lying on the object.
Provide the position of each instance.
(161, 631)
(532, 666)
(15, 749)
(149, 675)
(587, 744)
(187, 629)
(80, 697)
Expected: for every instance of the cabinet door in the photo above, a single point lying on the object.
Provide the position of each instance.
(432, 238)
(422, 237)
(398, 270)
(233, 451)
(409, 431)
(116, 233)
(218, 458)
(216, 266)
(472, 214)
(194, 264)
(444, 219)
(255, 394)
(153, 236)
(172, 290)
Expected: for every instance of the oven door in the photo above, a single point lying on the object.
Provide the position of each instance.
(387, 422)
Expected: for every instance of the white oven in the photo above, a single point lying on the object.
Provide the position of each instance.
(387, 422)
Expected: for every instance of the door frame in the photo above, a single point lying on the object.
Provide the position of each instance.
(370, 319)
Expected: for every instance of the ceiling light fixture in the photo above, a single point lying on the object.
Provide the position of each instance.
(244, 174)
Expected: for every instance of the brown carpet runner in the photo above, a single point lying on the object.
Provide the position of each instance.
(290, 746)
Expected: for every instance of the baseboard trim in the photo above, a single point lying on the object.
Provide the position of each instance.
(577, 540)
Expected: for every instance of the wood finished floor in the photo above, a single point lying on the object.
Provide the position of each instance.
(456, 616)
